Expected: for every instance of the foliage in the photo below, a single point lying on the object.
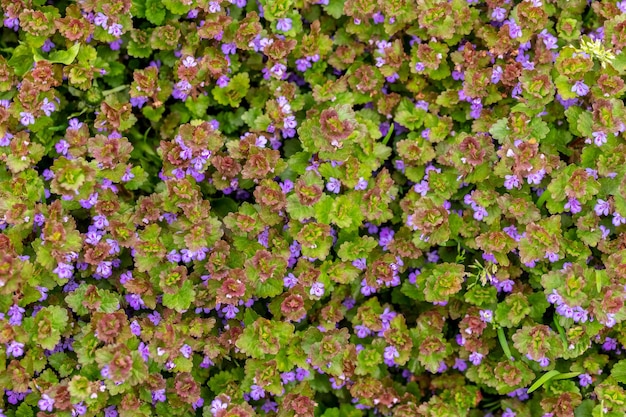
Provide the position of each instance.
(331, 208)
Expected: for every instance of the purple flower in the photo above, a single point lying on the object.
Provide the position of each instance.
(158, 395)
(222, 81)
(514, 30)
(333, 185)
(79, 409)
(422, 188)
(26, 118)
(46, 403)
(486, 315)
(47, 107)
(186, 351)
(101, 20)
(135, 328)
(573, 205)
(609, 344)
(584, 380)
(599, 138)
(476, 358)
(580, 88)
(15, 313)
(115, 29)
(498, 14)
(290, 280)
(301, 374)
(256, 392)
(602, 208)
(509, 413)
(135, 301)
(217, 405)
(12, 23)
(511, 181)
(362, 331)
(269, 406)
(230, 311)
(110, 411)
(460, 365)
(155, 318)
(284, 25)
(15, 349)
(536, 177)
(360, 263)
(391, 353)
(317, 289)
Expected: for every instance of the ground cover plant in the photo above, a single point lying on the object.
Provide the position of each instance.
(334, 208)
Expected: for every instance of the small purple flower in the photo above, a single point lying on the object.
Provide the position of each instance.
(360, 263)
(27, 118)
(217, 405)
(333, 185)
(555, 298)
(15, 349)
(573, 205)
(584, 380)
(514, 30)
(222, 81)
(287, 377)
(64, 271)
(498, 14)
(186, 351)
(536, 177)
(509, 413)
(602, 208)
(476, 358)
(317, 289)
(581, 89)
(460, 365)
(511, 181)
(101, 20)
(230, 311)
(47, 107)
(599, 138)
(116, 30)
(290, 280)
(301, 374)
(155, 318)
(46, 403)
(486, 315)
(284, 25)
(158, 395)
(256, 392)
(15, 313)
(110, 411)
(135, 328)
(391, 353)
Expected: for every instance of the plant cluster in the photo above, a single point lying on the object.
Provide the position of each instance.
(294, 208)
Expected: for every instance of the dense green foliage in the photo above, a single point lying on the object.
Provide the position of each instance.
(335, 208)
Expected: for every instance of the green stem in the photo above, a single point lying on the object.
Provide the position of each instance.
(115, 89)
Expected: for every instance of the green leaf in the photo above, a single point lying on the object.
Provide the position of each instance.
(504, 344)
(619, 371)
(543, 379)
(21, 60)
(500, 129)
(155, 12)
(181, 300)
(64, 57)
(24, 410)
(334, 8)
